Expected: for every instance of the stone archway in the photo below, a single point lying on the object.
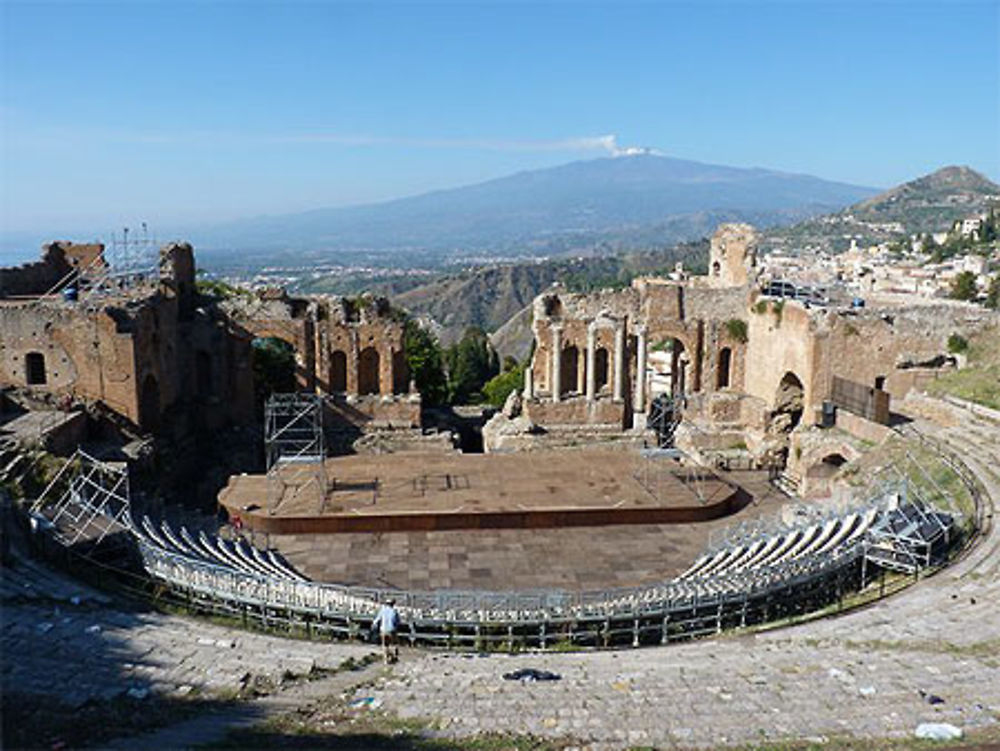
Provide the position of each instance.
(827, 467)
(338, 371)
(601, 377)
(724, 368)
(34, 369)
(368, 371)
(569, 369)
(789, 403)
(400, 374)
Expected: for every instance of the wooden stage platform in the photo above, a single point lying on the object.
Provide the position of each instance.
(432, 492)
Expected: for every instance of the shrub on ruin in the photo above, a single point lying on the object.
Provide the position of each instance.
(737, 330)
(957, 344)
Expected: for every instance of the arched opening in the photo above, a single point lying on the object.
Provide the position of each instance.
(716, 268)
(569, 366)
(400, 375)
(338, 371)
(368, 371)
(827, 467)
(788, 404)
(273, 362)
(601, 368)
(203, 373)
(149, 404)
(34, 369)
(725, 363)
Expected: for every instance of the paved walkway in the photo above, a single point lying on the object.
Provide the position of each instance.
(859, 674)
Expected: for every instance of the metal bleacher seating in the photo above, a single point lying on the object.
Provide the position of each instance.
(212, 550)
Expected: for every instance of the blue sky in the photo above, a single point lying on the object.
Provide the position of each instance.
(187, 112)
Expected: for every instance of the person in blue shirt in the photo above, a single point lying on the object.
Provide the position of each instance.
(387, 623)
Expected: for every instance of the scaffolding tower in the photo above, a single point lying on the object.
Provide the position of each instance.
(127, 261)
(86, 502)
(294, 449)
(665, 413)
(660, 471)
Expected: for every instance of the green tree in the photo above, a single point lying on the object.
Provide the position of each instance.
(471, 362)
(423, 358)
(273, 364)
(989, 231)
(993, 293)
(963, 286)
(929, 245)
(497, 389)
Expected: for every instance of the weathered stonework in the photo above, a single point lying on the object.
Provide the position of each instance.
(160, 353)
(741, 361)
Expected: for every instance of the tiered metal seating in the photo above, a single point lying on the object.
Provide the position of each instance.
(215, 551)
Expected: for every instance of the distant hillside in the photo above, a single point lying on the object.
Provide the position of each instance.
(622, 200)
(928, 204)
(489, 297)
(515, 336)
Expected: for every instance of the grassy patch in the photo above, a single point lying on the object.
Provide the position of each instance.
(980, 381)
(975, 739)
(43, 722)
(336, 727)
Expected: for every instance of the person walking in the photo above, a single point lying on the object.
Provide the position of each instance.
(387, 623)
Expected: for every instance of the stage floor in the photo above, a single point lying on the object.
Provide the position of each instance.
(589, 557)
(401, 483)
(580, 558)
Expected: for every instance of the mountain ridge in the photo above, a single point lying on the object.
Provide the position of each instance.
(926, 204)
(538, 212)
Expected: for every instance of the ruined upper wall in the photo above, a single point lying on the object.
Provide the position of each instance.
(35, 278)
(557, 304)
(58, 259)
(885, 347)
(732, 259)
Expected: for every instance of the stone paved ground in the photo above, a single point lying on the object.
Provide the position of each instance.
(77, 653)
(858, 674)
(506, 559)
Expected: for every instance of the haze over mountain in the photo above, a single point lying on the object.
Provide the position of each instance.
(629, 199)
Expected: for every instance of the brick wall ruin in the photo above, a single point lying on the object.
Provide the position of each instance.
(740, 360)
(162, 355)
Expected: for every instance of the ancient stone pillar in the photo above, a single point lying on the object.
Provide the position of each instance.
(529, 381)
(555, 357)
(619, 392)
(591, 364)
(640, 370)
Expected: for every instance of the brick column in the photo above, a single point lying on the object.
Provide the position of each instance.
(555, 364)
(591, 364)
(619, 393)
(640, 370)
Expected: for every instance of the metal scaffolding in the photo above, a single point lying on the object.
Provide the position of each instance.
(294, 448)
(665, 413)
(660, 471)
(126, 262)
(86, 501)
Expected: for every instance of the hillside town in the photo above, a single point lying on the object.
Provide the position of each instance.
(961, 263)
